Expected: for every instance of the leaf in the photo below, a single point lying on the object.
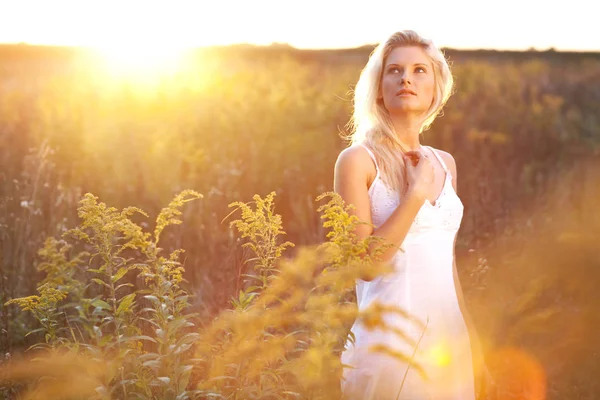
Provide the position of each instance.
(124, 285)
(100, 304)
(152, 298)
(34, 331)
(188, 339)
(182, 298)
(100, 282)
(126, 303)
(105, 340)
(139, 337)
(182, 349)
(151, 322)
(184, 373)
(120, 273)
(165, 379)
(178, 323)
(153, 364)
(148, 357)
(98, 332)
(258, 278)
(127, 381)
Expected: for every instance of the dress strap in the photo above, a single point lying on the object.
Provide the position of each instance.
(435, 153)
(371, 155)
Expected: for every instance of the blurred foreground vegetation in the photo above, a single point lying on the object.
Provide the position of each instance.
(524, 129)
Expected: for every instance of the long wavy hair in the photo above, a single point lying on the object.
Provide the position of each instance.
(371, 124)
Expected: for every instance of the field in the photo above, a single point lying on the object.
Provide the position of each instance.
(240, 121)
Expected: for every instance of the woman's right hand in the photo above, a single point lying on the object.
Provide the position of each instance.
(420, 174)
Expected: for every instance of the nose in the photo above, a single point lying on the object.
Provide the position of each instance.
(405, 77)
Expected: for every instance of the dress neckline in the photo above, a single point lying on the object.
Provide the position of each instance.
(446, 176)
(436, 202)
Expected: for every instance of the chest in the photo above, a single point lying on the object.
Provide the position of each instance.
(445, 211)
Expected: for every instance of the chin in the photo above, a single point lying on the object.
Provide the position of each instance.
(406, 108)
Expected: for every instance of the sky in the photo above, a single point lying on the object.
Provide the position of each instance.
(463, 24)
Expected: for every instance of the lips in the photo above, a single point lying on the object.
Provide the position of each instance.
(405, 92)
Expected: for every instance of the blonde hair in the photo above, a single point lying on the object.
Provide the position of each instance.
(371, 123)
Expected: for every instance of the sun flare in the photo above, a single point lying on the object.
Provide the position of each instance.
(141, 60)
(141, 42)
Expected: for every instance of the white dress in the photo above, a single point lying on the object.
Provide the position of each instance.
(422, 284)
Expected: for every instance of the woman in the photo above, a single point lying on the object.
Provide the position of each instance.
(408, 192)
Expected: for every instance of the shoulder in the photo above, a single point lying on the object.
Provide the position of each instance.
(448, 159)
(354, 161)
(450, 163)
(354, 157)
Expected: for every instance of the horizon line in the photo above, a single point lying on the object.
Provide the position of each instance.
(341, 48)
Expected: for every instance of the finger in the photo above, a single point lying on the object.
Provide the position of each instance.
(414, 154)
(410, 160)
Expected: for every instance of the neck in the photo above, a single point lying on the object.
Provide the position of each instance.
(407, 131)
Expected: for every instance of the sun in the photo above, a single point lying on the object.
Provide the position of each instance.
(142, 59)
(141, 42)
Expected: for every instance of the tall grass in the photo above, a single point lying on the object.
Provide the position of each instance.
(281, 339)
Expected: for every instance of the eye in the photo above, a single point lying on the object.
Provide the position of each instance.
(393, 70)
(420, 70)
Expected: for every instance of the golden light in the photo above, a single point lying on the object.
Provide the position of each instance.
(440, 354)
(140, 61)
(141, 42)
(518, 374)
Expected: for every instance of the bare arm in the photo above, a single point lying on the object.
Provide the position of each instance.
(352, 171)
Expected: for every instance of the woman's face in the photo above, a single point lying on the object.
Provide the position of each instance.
(407, 82)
